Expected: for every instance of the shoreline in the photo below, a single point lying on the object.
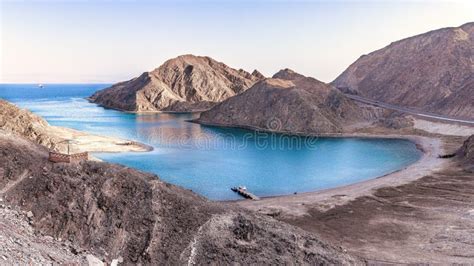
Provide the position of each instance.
(430, 147)
(296, 204)
(429, 153)
(265, 130)
(144, 112)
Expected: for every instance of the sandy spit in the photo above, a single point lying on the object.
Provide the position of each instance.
(82, 141)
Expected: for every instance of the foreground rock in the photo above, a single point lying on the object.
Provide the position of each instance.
(290, 102)
(35, 128)
(185, 83)
(430, 72)
(114, 212)
(21, 246)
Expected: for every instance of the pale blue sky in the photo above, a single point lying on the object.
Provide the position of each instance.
(109, 41)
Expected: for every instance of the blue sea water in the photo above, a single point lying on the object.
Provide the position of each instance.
(210, 160)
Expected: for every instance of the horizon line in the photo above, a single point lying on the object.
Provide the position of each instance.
(52, 83)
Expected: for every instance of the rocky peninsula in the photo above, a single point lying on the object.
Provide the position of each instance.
(35, 128)
(182, 84)
(291, 103)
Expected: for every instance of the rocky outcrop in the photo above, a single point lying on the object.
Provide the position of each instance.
(114, 212)
(185, 83)
(26, 124)
(431, 72)
(466, 153)
(290, 102)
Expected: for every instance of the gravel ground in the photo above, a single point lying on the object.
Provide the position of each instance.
(21, 245)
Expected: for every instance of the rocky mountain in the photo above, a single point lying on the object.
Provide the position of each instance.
(432, 72)
(117, 213)
(185, 83)
(289, 102)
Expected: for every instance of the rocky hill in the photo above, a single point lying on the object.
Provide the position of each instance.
(289, 102)
(115, 212)
(432, 72)
(185, 83)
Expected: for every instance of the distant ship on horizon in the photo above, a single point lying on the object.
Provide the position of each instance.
(40, 85)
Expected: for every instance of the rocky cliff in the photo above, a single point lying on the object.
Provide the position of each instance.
(115, 212)
(431, 72)
(289, 102)
(185, 83)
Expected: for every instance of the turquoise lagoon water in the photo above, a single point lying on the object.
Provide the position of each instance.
(210, 160)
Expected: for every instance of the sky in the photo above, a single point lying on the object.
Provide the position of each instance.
(109, 41)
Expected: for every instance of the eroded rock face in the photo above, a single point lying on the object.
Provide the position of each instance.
(116, 212)
(185, 83)
(432, 72)
(289, 102)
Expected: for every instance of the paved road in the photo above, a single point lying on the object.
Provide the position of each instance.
(410, 111)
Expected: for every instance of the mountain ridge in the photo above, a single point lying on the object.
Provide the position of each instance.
(431, 72)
